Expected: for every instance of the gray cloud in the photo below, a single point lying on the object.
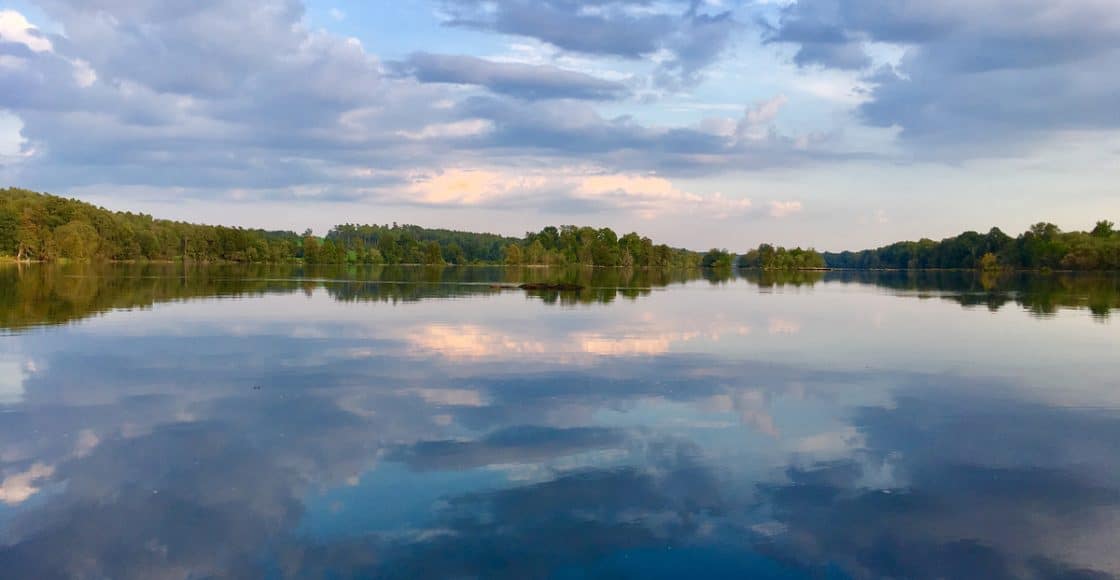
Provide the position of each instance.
(520, 80)
(219, 96)
(204, 49)
(577, 130)
(622, 28)
(611, 29)
(700, 40)
(973, 74)
(153, 97)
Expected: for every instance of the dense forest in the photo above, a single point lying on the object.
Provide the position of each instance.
(717, 259)
(35, 226)
(1043, 246)
(42, 227)
(407, 244)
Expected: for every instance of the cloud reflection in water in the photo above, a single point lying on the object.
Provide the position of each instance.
(139, 455)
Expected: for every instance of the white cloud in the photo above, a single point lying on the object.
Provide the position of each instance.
(755, 126)
(844, 88)
(468, 187)
(14, 27)
(454, 130)
(11, 139)
(84, 74)
(757, 122)
(648, 196)
(780, 209)
(653, 196)
(766, 111)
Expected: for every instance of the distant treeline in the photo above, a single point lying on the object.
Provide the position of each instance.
(407, 244)
(765, 257)
(42, 227)
(35, 226)
(1043, 246)
(768, 257)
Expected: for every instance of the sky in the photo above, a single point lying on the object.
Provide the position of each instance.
(837, 124)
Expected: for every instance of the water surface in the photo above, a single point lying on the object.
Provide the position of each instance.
(191, 422)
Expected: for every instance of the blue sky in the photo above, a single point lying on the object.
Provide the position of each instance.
(831, 123)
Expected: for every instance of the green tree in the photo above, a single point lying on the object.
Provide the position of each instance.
(604, 249)
(513, 255)
(29, 236)
(988, 262)
(77, 241)
(1103, 229)
(311, 249)
(455, 254)
(331, 253)
(9, 226)
(387, 245)
(768, 257)
(432, 253)
(717, 259)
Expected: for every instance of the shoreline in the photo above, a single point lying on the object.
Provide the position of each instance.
(9, 260)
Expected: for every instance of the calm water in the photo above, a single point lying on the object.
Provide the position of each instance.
(161, 422)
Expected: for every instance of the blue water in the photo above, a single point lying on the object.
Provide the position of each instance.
(252, 425)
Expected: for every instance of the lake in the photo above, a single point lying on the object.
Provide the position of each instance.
(165, 421)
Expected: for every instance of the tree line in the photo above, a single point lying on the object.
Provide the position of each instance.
(43, 227)
(764, 257)
(1043, 246)
(35, 226)
(553, 246)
